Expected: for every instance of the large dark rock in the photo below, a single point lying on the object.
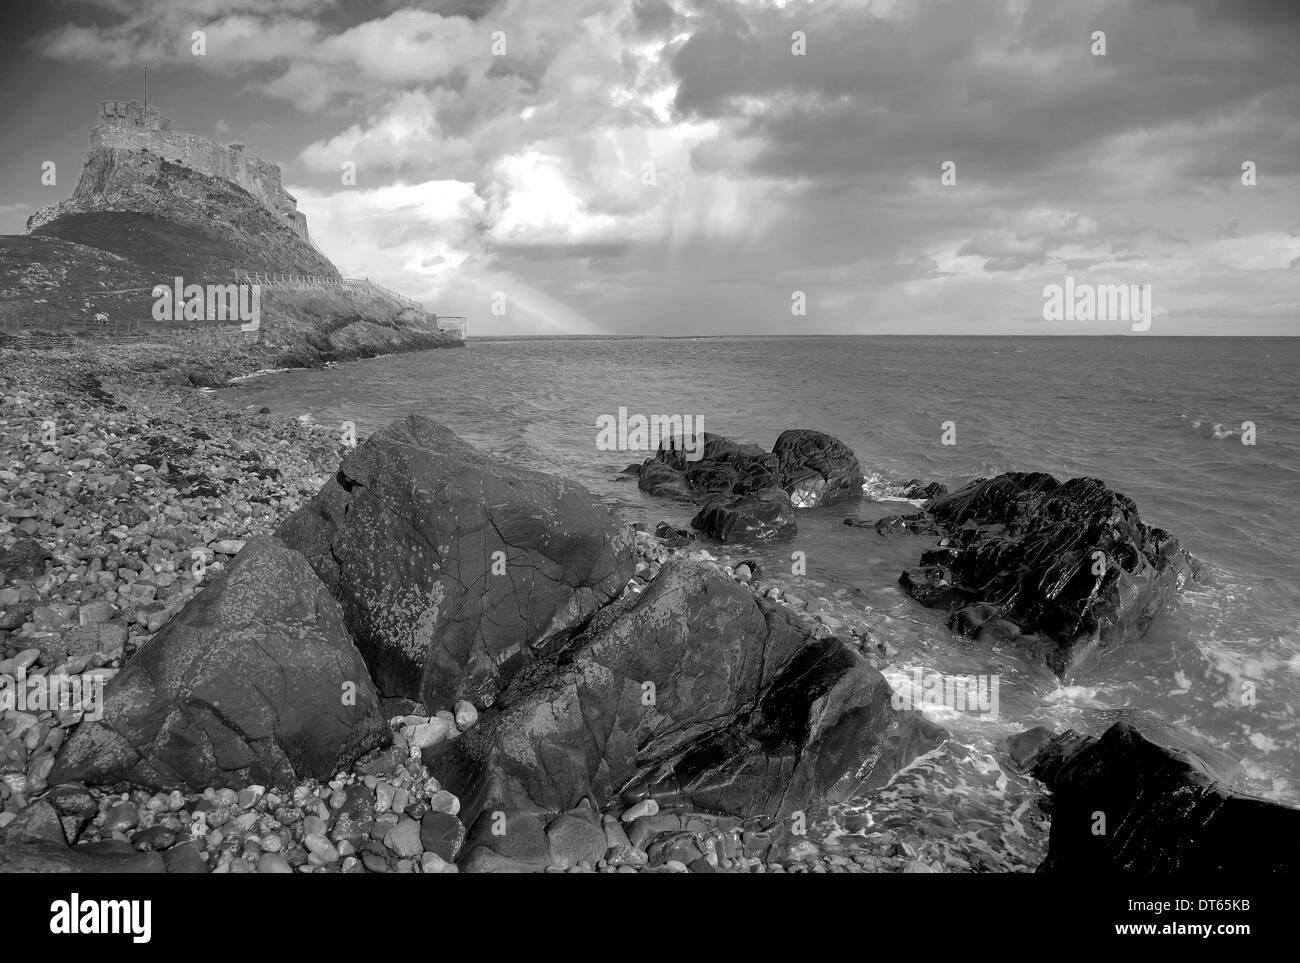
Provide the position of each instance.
(693, 692)
(762, 514)
(1125, 803)
(816, 469)
(407, 537)
(657, 478)
(720, 466)
(743, 490)
(35, 843)
(254, 681)
(1071, 565)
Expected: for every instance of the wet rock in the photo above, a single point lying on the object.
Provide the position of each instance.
(321, 848)
(154, 839)
(407, 536)
(916, 489)
(75, 805)
(429, 733)
(984, 623)
(1025, 746)
(647, 807)
(34, 843)
(642, 829)
(619, 850)
(255, 680)
(572, 840)
(186, 857)
(442, 833)
(696, 693)
(656, 478)
(433, 863)
(273, 863)
(121, 817)
(674, 537)
(517, 836)
(404, 838)
(816, 469)
(1070, 565)
(482, 859)
(444, 802)
(762, 514)
(466, 714)
(743, 490)
(1164, 811)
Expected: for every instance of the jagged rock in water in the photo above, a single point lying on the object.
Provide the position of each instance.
(922, 491)
(254, 681)
(1163, 807)
(455, 569)
(1070, 564)
(817, 469)
(743, 490)
(694, 692)
(719, 465)
(657, 478)
(761, 514)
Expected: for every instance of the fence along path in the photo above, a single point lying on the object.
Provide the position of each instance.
(453, 323)
(314, 281)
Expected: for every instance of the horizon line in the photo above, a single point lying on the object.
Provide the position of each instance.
(746, 334)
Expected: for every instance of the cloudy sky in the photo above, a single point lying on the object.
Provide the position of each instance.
(687, 166)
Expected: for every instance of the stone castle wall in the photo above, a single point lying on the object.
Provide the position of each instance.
(128, 125)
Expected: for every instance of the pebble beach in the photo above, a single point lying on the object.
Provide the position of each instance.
(121, 495)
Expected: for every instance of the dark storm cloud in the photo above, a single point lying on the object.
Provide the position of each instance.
(1262, 13)
(654, 16)
(351, 12)
(1000, 95)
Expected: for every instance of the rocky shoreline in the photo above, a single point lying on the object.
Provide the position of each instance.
(153, 534)
(142, 496)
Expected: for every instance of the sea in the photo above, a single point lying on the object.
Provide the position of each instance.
(1202, 433)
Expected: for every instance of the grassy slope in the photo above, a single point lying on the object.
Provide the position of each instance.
(158, 246)
(77, 266)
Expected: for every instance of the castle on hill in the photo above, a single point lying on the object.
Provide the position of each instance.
(129, 125)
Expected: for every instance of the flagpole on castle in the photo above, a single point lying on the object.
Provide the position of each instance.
(146, 87)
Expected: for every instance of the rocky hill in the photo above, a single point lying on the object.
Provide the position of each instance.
(80, 265)
(137, 220)
(141, 182)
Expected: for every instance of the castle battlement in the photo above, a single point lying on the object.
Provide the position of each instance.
(129, 125)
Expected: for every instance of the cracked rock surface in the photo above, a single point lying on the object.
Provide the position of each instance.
(694, 693)
(254, 681)
(1066, 569)
(455, 569)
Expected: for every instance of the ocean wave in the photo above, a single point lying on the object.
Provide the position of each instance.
(878, 488)
(1206, 427)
